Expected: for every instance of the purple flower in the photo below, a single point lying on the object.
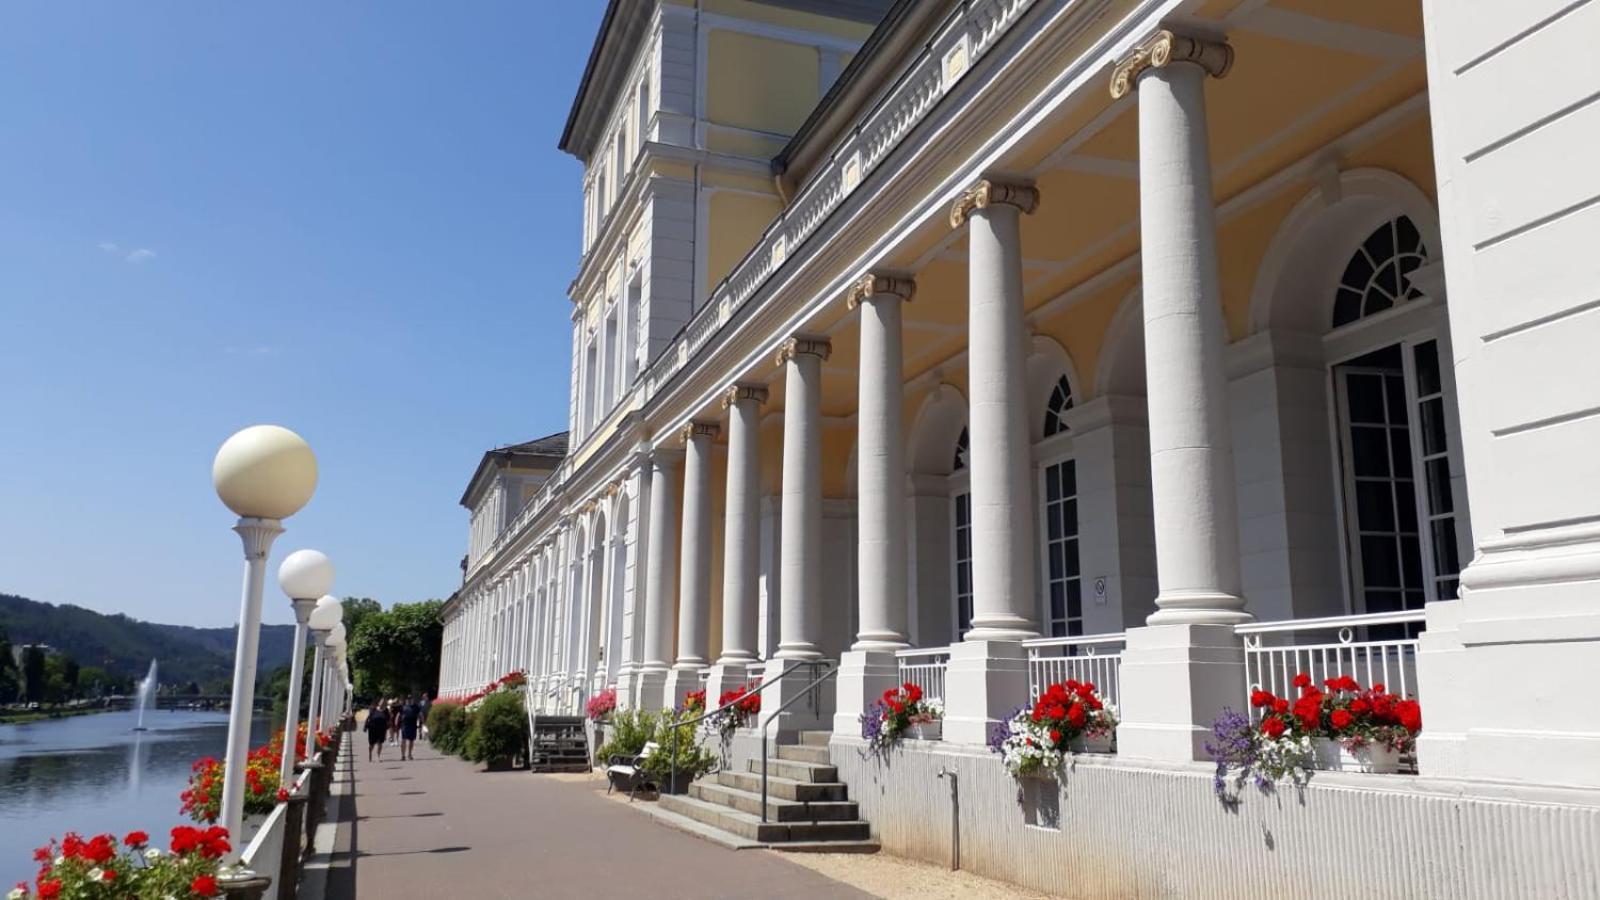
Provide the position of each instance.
(872, 722)
(999, 731)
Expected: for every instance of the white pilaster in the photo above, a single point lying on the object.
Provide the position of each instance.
(741, 541)
(694, 583)
(659, 576)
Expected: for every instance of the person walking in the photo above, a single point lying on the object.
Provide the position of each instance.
(422, 714)
(377, 726)
(409, 717)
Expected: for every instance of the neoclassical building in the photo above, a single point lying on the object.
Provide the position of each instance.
(1181, 344)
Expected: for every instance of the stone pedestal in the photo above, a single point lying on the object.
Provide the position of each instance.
(1176, 680)
(650, 689)
(863, 677)
(813, 713)
(725, 676)
(984, 682)
(679, 682)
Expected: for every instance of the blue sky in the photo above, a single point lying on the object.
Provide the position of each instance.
(347, 218)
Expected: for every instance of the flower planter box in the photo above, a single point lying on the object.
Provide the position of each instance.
(925, 731)
(1090, 743)
(679, 785)
(1331, 756)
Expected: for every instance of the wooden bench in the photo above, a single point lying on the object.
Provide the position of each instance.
(628, 771)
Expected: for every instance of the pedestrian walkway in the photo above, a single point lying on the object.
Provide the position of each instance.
(440, 827)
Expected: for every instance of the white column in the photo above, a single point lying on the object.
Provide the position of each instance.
(1178, 673)
(660, 568)
(694, 572)
(987, 675)
(741, 545)
(870, 666)
(800, 556)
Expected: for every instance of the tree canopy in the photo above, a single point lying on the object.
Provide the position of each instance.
(395, 652)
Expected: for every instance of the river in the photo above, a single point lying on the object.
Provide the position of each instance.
(95, 774)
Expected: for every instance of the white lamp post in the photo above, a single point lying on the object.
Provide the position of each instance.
(265, 474)
(324, 616)
(336, 645)
(304, 576)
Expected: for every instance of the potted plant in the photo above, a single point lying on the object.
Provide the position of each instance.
(902, 713)
(1350, 728)
(599, 709)
(679, 759)
(499, 731)
(100, 867)
(1069, 717)
(735, 710)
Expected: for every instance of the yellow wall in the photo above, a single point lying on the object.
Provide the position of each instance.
(759, 83)
(787, 18)
(734, 222)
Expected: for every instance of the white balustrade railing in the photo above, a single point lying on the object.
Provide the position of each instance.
(925, 669)
(1274, 652)
(1095, 658)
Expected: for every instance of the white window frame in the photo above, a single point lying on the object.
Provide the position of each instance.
(1054, 450)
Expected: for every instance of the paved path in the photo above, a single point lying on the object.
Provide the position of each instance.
(439, 827)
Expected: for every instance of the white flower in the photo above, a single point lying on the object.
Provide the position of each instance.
(60, 860)
(16, 893)
(97, 874)
(152, 853)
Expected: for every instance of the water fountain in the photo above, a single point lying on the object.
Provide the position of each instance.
(146, 697)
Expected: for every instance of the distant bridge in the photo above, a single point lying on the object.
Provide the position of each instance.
(189, 701)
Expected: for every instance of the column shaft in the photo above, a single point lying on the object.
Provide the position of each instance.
(742, 519)
(694, 581)
(881, 467)
(800, 574)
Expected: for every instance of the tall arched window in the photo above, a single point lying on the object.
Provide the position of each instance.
(1393, 442)
(1056, 407)
(961, 505)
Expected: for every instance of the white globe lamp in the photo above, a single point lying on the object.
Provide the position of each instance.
(328, 613)
(265, 472)
(304, 575)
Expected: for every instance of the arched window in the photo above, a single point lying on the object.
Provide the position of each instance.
(961, 503)
(1375, 277)
(1056, 408)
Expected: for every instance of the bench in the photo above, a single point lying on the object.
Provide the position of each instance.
(628, 771)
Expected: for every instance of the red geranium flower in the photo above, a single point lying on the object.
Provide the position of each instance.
(1340, 719)
(49, 889)
(1273, 727)
(1055, 735)
(204, 885)
(1259, 699)
(283, 795)
(1409, 712)
(1280, 706)
(1302, 680)
(136, 839)
(1076, 715)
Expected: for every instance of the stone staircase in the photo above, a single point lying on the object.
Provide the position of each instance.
(808, 808)
(559, 744)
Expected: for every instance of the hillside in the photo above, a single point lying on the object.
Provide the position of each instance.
(124, 645)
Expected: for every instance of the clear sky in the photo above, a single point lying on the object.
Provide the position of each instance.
(348, 218)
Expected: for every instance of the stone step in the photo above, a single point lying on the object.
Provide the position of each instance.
(783, 788)
(819, 773)
(805, 753)
(815, 738)
(778, 809)
(750, 827)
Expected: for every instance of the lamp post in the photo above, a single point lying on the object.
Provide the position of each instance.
(264, 474)
(336, 644)
(324, 616)
(304, 576)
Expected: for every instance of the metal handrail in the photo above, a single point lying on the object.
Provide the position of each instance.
(673, 763)
(803, 692)
(1397, 617)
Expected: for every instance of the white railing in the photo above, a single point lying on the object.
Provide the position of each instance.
(1094, 658)
(264, 854)
(1274, 652)
(925, 669)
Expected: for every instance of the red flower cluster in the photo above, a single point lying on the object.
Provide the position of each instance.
(98, 867)
(898, 699)
(694, 702)
(509, 681)
(745, 703)
(211, 843)
(1068, 710)
(1341, 709)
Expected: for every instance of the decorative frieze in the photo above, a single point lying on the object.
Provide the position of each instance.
(804, 344)
(875, 283)
(756, 392)
(990, 191)
(1164, 48)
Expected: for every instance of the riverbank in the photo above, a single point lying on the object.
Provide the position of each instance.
(24, 716)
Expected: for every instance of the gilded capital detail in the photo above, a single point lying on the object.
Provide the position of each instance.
(756, 392)
(1164, 48)
(801, 345)
(989, 192)
(698, 429)
(877, 284)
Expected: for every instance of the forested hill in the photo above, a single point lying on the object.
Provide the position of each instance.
(126, 646)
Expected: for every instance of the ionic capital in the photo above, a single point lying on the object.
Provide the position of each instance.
(698, 429)
(989, 192)
(756, 392)
(1164, 48)
(802, 345)
(876, 284)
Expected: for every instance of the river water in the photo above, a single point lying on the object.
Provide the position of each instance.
(95, 774)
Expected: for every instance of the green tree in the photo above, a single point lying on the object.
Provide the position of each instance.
(397, 651)
(358, 610)
(10, 682)
(33, 673)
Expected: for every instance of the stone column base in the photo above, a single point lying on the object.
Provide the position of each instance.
(810, 713)
(983, 683)
(863, 677)
(625, 687)
(650, 689)
(1176, 680)
(725, 676)
(680, 681)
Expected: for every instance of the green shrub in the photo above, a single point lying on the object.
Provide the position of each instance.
(630, 731)
(691, 759)
(447, 726)
(499, 729)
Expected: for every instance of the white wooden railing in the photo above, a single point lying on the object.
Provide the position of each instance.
(925, 669)
(1096, 658)
(1274, 652)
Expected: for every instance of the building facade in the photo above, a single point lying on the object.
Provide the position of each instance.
(1183, 344)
